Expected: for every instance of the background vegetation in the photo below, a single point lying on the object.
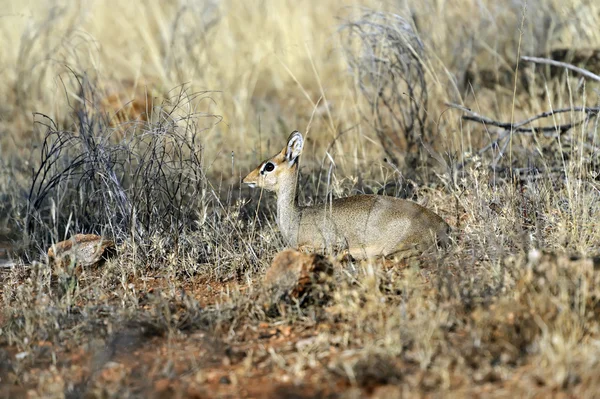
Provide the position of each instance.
(138, 122)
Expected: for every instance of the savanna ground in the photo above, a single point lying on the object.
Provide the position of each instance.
(138, 122)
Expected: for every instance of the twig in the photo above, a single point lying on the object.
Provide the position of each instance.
(588, 110)
(559, 64)
(501, 151)
(561, 128)
(517, 127)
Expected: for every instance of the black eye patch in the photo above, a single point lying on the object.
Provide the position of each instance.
(269, 167)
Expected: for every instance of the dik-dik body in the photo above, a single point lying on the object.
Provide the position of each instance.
(364, 225)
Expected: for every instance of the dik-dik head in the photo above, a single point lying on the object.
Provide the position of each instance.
(279, 170)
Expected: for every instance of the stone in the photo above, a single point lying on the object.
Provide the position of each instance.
(292, 274)
(81, 250)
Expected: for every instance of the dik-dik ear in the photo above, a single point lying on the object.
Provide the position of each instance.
(294, 147)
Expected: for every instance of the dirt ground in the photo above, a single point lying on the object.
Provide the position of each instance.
(253, 360)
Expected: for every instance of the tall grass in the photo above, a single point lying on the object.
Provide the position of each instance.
(291, 59)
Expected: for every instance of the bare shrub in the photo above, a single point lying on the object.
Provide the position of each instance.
(386, 57)
(149, 181)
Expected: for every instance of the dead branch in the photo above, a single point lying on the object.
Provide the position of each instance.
(559, 64)
(518, 126)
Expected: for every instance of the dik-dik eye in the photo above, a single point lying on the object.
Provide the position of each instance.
(269, 167)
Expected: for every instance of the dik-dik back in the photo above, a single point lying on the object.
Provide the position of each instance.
(364, 225)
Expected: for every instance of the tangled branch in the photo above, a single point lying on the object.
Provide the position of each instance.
(386, 56)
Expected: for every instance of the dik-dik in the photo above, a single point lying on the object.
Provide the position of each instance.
(363, 225)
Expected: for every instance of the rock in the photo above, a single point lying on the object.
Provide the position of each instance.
(292, 274)
(81, 250)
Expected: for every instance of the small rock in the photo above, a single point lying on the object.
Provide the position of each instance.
(293, 273)
(81, 249)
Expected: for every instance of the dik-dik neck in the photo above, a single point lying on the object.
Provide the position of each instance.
(288, 211)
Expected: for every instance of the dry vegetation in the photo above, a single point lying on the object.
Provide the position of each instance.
(137, 122)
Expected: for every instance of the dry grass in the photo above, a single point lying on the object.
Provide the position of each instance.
(144, 120)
